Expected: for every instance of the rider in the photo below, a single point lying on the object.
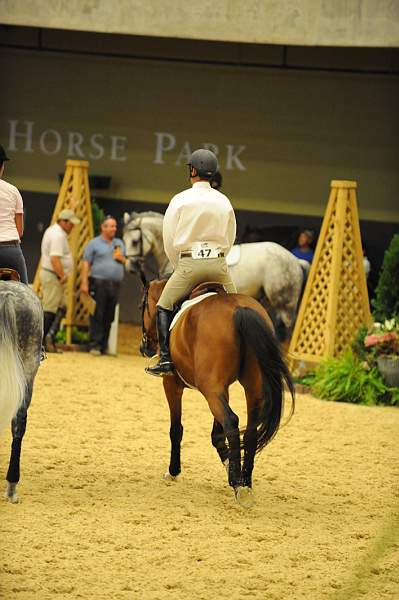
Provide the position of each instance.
(11, 225)
(199, 229)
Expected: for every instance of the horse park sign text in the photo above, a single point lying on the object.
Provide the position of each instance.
(23, 136)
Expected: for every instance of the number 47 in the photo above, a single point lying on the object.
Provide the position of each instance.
(205, 253)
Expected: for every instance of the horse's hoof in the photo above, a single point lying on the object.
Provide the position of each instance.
(169, 478)
(244, 496)
(11, 493)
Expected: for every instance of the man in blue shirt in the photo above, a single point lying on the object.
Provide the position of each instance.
(304, 249)
(102, 271)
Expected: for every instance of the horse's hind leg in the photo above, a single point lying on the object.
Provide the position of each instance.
(223, 414)
(250, 441)
(252, 383)
(18, 428)
(174, 391)
(219, 442)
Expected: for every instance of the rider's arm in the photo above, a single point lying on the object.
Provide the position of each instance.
(19, 224)
(169, 229)
(232, 228)
(19, 213)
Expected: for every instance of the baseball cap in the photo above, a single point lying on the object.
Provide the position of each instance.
(68, 215)
(3, 155)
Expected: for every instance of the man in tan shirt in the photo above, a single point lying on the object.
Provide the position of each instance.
(57, 264)
(199, 229)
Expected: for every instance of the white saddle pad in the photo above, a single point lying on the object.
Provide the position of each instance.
(188, 304)
(234, 256)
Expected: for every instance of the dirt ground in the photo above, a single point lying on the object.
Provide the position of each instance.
(96, 520)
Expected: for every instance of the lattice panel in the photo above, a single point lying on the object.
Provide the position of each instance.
(335, 303)
(75, 194)
(311, 337)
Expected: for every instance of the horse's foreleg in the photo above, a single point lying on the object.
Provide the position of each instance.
(174, 391)
(18, 428)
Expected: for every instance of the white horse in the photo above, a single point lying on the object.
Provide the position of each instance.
(260, 269)
(21, 332)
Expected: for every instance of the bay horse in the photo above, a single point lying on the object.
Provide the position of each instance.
(21, 332)
(223, 338)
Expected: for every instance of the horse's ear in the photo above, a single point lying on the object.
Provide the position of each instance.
(126, 218)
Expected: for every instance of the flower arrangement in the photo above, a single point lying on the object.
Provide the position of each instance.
(383, 339)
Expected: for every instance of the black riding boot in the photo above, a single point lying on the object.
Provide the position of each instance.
(48, 318)
(55, 325)
(165, 365)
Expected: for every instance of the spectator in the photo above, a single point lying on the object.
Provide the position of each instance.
(102, 273)
(11, 225)
(366, 264)
(304, 248)
(56, 266)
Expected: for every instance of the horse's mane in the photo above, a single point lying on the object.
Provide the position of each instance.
(147, 213)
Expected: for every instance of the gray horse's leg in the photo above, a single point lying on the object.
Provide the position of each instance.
(18, 428)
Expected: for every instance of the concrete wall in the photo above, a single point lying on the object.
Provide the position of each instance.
(282, 135)
(373, 23)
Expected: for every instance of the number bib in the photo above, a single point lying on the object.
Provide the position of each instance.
(205, 250)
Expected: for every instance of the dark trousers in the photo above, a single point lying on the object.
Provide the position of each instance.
(11, 257)
(106, 294)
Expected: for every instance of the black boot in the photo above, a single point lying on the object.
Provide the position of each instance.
(165, 365)
(48, 318)
(52, 332)
(55, 325)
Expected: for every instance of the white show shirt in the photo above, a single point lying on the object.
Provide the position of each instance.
(199, 214)
(10, 205)
(55, 243)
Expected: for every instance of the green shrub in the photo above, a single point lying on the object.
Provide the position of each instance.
(358, 347)
(79, 336)
(347, 379)
(386, 301)
(98, 217)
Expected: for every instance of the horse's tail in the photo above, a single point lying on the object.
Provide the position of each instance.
(12, 376)
(256, 336)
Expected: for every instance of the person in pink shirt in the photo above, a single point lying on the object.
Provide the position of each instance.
(11, 225)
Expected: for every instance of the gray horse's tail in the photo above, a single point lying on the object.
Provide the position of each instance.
(12, 376)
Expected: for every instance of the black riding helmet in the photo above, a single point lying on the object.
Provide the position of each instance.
(204, 162)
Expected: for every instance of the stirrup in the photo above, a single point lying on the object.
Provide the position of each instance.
(164, 367)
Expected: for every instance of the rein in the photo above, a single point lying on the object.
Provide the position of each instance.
(145, 307)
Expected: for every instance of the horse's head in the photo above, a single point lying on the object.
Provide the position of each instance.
(142, 234)
(138, 241)
(151, 294)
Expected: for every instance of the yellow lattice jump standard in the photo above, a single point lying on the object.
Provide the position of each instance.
(335, 303)
(74, 194)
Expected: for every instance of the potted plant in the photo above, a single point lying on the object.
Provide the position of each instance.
(382, 344)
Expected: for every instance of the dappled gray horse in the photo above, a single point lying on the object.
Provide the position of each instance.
(258, 269)
(21, 331)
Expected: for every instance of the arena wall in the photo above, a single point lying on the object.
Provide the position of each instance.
(305, 22)
(281, 133)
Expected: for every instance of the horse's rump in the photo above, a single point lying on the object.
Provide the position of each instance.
(228, 338)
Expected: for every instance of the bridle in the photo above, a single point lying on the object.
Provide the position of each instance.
(145, 307)
(138, 259)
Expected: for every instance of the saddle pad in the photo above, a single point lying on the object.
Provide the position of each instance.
(188, 304)
(234, 256)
